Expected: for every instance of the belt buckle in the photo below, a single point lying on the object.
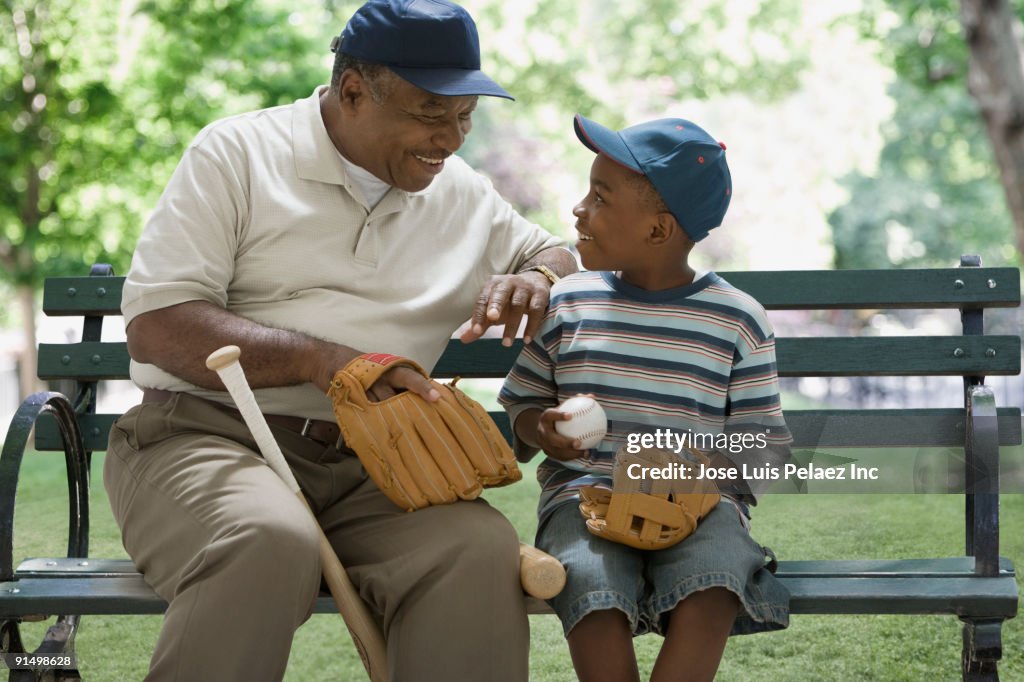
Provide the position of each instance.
(308, 424)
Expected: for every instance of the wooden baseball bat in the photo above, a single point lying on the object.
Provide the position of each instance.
(541, 574)
(366, 634)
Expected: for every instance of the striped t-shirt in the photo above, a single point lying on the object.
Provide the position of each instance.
(696, 359)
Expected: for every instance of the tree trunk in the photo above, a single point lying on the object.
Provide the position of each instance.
(27, 359)
(995, 79)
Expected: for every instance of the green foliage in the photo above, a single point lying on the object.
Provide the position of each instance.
(585, 56)
(934, 195)
(57, 128)
(99, 106)
(99, 103)
(610, 61)
(936, 192)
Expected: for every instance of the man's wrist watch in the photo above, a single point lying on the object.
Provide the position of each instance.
(542, 269)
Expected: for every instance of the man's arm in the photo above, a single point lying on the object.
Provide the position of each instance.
(506, 298)
(558, 258)
(177, 339)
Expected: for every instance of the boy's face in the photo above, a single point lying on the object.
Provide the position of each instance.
(614, 219)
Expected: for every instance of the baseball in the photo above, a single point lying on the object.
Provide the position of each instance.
(588, 424)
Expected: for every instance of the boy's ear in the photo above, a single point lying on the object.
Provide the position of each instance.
(663, 228)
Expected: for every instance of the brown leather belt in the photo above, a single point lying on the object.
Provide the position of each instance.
(316, 430)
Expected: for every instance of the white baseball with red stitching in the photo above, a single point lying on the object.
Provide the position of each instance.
(588, 424)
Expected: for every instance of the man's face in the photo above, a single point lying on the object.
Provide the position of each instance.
(405, 139)
(613, 219)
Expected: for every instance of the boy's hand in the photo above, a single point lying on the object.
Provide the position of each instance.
(551, 441)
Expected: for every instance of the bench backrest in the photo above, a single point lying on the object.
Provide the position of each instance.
(972, 355)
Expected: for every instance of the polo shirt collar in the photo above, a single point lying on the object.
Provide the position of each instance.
(316, 157)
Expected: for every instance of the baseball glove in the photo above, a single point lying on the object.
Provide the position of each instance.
(419, 453)
(648, 513)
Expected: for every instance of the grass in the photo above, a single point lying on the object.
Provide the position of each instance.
(795, 526)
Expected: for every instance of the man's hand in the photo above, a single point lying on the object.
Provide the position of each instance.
(504, 300)
(391, 383)
(402, 379)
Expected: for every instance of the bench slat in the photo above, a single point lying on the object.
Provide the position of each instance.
(937, 427)
(905, 586)
(979, 597)
(778, 290)
(58, 568)
(797, 357)
(894, 568)
(801, 357)
(86, 361)
(65, 296)
(886, 289)
(899, 356)
(924, 427)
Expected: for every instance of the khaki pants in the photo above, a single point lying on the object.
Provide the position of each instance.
(235, 554)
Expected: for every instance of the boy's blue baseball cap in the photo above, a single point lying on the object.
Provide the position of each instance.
(433, 44)
(686, 166)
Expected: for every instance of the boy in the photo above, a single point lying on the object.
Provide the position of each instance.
(659, 346)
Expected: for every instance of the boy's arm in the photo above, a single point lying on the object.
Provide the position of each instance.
(754, 420)
(525, 427)
(530, 389)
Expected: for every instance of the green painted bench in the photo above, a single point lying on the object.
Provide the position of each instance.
(979, 587)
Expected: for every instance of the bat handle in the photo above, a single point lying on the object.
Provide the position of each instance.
(541, 574)
(223, 357)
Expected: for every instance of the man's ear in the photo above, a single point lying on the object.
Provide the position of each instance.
(353, 90)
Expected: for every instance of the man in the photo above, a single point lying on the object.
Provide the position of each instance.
(307, 235)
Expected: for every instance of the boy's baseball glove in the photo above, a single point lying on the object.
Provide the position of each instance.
(649, 513)
(419, 453)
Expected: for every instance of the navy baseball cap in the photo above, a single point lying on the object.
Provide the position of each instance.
(686, 166)
(433, 44)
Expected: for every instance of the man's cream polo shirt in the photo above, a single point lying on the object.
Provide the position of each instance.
(261, 218)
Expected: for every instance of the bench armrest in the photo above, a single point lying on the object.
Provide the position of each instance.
(981, 452)
(56, 404)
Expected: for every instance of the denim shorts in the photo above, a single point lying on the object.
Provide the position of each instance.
(646, 585)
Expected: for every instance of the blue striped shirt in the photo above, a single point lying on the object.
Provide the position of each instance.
(695, 359)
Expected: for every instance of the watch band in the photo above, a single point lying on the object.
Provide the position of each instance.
(542, 269)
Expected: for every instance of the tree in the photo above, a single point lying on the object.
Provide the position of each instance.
(99, 101)
(995, 78)
(59, 125)
(936, 191)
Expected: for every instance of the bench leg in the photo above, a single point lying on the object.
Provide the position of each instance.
(59, 639)
(983, 647)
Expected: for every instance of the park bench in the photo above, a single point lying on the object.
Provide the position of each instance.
(979, 586)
